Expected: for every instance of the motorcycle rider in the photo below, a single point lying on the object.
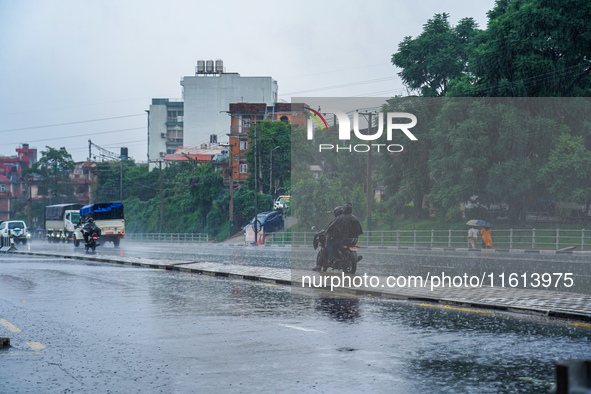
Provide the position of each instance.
(330, 242)
(351, 228)
(90, 228)
(345, 228)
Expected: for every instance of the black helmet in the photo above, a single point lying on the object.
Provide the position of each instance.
(348, 208)
(337, 211)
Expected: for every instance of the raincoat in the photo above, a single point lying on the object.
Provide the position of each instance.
(486, 237)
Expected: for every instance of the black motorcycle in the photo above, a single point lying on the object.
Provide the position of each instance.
(346, 257)
(92, 242)
(91, 235)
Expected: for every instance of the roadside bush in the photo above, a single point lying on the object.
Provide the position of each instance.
(453, 215)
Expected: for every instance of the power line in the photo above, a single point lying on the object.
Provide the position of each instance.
(119, 144)
(346, 85)
(333, 71)
(79, 135)
(70, 123)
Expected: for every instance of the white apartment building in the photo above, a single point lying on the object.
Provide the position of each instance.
(203, 110)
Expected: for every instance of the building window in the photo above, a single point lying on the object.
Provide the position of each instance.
(246, 122)
(243, 145)
(3, 187)
(243, 168)
(175, 116)
(284, 119)
(174, 135)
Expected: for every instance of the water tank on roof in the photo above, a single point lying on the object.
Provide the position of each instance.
(209, 66)
(219, 66)
(200, 66)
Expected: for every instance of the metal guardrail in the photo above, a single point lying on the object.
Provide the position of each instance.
(502, 239)
(6, 244)
(168, 237)
(4, 241)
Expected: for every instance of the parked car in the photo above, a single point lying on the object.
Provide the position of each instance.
(270, 221)
(282, 202)
(15, 229)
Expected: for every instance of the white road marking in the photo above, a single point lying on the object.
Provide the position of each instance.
(36, 346)
(299, 328)
(9, 326)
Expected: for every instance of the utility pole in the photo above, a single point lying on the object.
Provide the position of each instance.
(105, 154)
(161, 200)
(30, 202)
(121, 180)
(271, 173)
(231, 205)
(231, 192)
(259, 150)
(256, 191)
(160, 189)
(369, 185)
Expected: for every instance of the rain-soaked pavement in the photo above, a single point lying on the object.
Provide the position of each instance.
(88, 327)
(376, 261)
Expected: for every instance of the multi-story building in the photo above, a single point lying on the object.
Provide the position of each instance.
(245, 115)
(202, 113)
(84, 180)
(12, 185)
(9, 190)
(165, 128)
(11, 166)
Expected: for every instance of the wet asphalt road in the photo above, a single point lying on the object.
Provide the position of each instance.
(111, 329)
(375, 262)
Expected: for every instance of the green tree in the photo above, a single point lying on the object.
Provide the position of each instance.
(190, 196)
(437, 56)
(568, 171)
(270, 136)
(407, 175)
(491, 149)
(53, 170)
(315, 201)
(531, 48)
(138, 181)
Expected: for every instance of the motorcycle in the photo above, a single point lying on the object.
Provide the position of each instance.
(91, 237)
(346, 257)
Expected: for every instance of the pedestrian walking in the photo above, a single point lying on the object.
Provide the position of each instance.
(486, 238)
(472, 237)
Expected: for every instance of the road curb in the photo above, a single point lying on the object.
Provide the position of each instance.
(181, 267)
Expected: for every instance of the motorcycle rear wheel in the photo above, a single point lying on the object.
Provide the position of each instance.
(351, 266)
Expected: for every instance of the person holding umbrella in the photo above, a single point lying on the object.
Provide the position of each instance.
(486, 238)
(472, 236)
(485, 233)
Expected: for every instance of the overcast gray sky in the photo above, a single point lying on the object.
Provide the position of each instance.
(65, 61)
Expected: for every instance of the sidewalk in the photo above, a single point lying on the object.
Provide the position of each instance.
(556, 304)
